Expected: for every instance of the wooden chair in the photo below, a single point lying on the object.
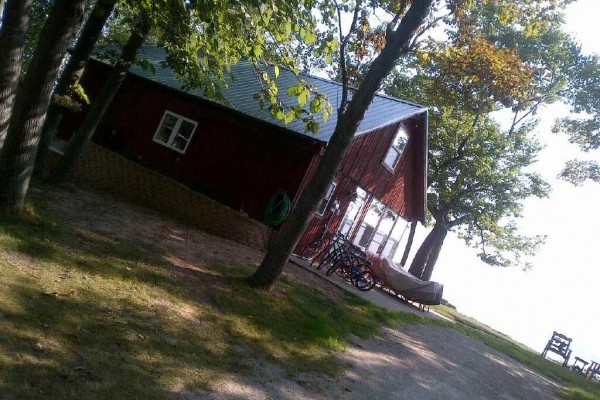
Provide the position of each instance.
(579, 366)
(593, 370)
(559, 344)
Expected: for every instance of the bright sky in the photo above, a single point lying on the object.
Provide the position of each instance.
(562, 291)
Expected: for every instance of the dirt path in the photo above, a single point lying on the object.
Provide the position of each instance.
(415, 362)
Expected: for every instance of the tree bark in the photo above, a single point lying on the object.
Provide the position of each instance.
(427, 255)
(418, 263)
(22, 139)
(434, 254)
(348, 120)
(78, 141)
(15, 19)
(411, 237)
(72, 72)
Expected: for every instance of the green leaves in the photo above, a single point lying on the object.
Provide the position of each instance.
(301, 91)
(577, 172)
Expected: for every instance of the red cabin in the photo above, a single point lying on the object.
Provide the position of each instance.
(240, 156)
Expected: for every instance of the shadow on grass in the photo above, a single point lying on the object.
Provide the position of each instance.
(83, 314)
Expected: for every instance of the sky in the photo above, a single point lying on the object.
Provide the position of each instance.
(561, 292)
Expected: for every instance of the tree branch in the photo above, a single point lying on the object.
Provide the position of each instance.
(426, 28)
(343, 43)
(391, 26)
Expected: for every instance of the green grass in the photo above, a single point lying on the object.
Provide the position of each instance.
(86, 315)
(576, 387)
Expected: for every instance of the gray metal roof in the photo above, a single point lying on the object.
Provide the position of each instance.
(383, 111)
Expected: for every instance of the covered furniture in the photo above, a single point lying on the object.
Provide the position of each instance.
(559, 344)
(402, 283)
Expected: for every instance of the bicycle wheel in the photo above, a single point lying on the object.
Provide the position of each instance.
(364, 281)
(363, 277)
(345, 273)
(311, 250)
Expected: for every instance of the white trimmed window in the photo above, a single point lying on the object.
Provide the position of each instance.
(393, 154)
(175, 131)
(325, 202)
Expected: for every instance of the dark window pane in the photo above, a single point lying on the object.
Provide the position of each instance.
(166, 128)
(322, 207)
(170, 120)
(366, 235)
(179, 143)
(164, 133)
(185, 129)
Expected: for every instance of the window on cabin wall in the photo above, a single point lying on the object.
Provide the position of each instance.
(390, 161)
(367, 228)
(395, 237)
(374, 233)
(325, 202)
(353, 212)
(380, 238)
(175, 131)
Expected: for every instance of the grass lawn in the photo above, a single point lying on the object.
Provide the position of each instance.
(86, 315)
(576, 388)
(83, 315)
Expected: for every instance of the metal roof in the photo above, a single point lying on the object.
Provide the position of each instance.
(384, 110)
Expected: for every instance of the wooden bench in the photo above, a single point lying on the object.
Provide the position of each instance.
(559, 344)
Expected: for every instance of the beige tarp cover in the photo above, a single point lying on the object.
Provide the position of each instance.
(409, 286)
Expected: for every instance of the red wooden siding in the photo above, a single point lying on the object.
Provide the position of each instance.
(402, 191)
(232, 158)
(241, 162)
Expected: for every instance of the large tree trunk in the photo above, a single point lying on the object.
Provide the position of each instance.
(348, 120)
(427, 255)
(418, 263)
(78, 141)
(18, 154)
(15, 18)
(72, 72)
(434, 254)
(411, 237)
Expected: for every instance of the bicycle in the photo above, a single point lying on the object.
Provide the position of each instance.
(350, 263)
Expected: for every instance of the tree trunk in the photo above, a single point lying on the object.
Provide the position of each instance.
(418, 263)
(426, 257)
(22, 139)
(72, 72)
(434, 254)
(411, 237)
(15, 18)
(348, 120)
(78, 141)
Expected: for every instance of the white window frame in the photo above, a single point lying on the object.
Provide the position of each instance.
(392, 168)
(175, 132)
(330, 191)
